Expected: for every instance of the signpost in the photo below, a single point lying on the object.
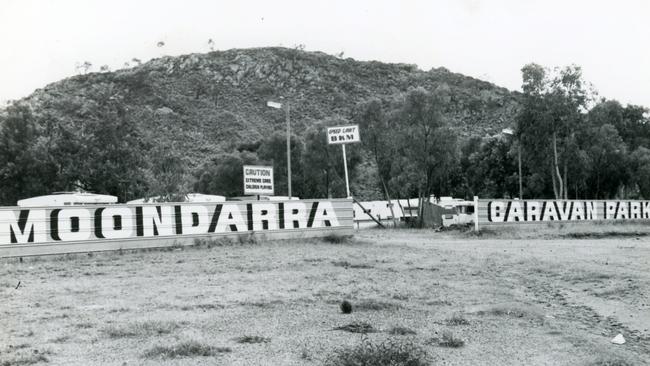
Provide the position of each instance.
(258, 180)
(344, 135)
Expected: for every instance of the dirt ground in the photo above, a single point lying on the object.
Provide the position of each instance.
(510, 301)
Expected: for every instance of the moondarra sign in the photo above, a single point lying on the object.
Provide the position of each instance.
(508, 211)
(97, 223)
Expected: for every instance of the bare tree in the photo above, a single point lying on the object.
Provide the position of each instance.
(83, 67)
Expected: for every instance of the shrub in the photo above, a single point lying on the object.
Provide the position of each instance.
(337, 239)
(252, 339)
(388, 353)
(357, 327)
(152, 327)
(401, 331)
(457, 319)
(346, 307)
(26, 360)
(449, 340)
(185, 349)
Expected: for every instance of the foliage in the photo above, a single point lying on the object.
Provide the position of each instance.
(24, 167)
(491, 168)
(549, 119)
(640, 170)
(190, 122)
(224, 174)
(322, 164)
(274, 151)
(105, 131)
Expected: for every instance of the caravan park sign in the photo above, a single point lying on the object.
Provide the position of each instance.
(533, 211)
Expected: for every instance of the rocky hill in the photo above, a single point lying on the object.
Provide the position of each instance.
(204, 104)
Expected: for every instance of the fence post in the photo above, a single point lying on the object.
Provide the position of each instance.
(476, 213)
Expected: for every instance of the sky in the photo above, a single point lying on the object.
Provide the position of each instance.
(44, 41)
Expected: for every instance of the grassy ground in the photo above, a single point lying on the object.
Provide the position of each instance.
(464, 300)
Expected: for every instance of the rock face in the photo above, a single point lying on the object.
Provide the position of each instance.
(209, 103)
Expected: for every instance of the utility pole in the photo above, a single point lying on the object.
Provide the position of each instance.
(519, 160)
(286, 109)
(289, 150)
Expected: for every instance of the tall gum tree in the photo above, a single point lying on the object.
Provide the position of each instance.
(552, 112)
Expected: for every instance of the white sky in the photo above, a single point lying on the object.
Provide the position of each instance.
(42, 41)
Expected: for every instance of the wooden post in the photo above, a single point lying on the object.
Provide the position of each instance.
(368, 213)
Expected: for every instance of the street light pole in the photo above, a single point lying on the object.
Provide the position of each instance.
(519, 160)
(288, 150)
(286, 109)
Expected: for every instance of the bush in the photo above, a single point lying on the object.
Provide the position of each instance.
(252, 339)
(449, 340)
(185, 349)
(337, 239)
(401, 331)
(357, 327)
(388, 353)
(457, 319)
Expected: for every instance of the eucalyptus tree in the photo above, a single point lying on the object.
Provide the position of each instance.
(552, 113)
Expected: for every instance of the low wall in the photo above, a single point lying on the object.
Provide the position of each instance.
(88, 228)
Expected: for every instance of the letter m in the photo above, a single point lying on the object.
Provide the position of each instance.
(28, 227)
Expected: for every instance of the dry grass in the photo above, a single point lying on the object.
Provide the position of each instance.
(337, 239)
(401, 331)
(146, 328)
(179, 306)
(579, 230)
(185, 349)
(512, 310)
(347, 265)
(375, 305)
(611, 360)
(447, 340)
(30, 359)
(252, 339)
(388, 353)
(457, 319)
(357, 327)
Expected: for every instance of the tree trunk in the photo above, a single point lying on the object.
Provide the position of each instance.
(420, 209)
(566, 182)
(327, 183)
(553, 178)
(557, 169)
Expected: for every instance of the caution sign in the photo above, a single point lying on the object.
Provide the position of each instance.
(343, 134)
(258, 180)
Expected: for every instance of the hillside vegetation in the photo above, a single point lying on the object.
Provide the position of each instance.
(210, 103)
(143, 130)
